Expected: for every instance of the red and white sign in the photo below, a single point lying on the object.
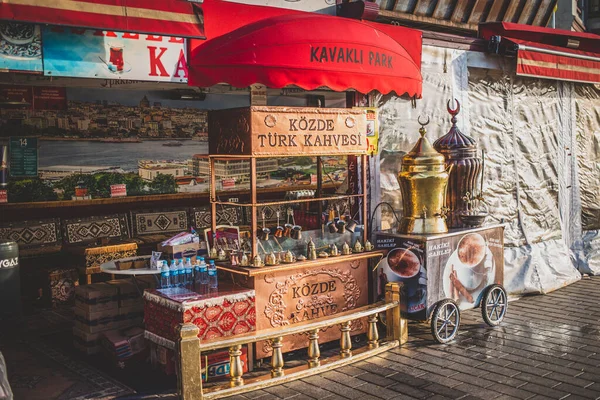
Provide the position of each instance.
(119, 190)
(313, 179)
(228, 183)
(3, 196)
(113, 55)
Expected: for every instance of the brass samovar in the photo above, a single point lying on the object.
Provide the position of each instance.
(460, 152)
(423, 180)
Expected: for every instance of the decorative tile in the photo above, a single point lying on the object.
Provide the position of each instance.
(158, 222)
(96, 256)
(32, 234)
(86, 230)
(225, 216)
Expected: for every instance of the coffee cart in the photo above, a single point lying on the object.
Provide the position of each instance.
(446, 273)
(302, 265)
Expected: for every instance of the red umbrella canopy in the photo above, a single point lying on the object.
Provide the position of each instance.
(309, 51)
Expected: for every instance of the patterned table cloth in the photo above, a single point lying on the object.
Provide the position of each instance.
(224, 313)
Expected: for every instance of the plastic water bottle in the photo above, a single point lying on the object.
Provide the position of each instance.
(165, 276)
(201, 278)
(174, 274)
(189, 274)
(180, 273)
(212, 275)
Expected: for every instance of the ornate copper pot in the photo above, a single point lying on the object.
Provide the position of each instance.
(460, 152)
(423, 181)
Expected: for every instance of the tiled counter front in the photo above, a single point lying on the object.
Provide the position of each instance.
(221, 314)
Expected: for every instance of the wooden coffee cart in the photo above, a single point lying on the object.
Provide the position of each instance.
(296, 288)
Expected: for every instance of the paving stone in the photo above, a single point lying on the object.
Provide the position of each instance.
(588, 393)
(511, 391)
(334, 387)
(388, 393)
(309, 390)
(544, 390)
(569, 379)
(448, 392)
(376, 379)
(477, 391)
(344, 379)
(282, 392)
(504, 380)
(255, 394)
(472, 380)
(351, 370)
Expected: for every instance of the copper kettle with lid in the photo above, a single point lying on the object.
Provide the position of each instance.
(423, 179)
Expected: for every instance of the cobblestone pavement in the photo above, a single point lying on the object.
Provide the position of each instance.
(548, 347)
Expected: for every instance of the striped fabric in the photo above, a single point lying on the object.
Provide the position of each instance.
(545, 62)
(159, 17)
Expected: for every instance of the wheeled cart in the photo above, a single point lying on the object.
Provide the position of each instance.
(444, 274)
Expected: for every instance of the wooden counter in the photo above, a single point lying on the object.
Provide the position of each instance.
(291, 293)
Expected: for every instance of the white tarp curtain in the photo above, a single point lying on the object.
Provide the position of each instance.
(586, 106)
(519, 123)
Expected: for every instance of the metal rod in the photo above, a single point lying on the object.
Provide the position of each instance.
(253, 223)
(213, 196)
(482, 172)
(319, 184)
(363, 161)
(280, 203)
(558, 53)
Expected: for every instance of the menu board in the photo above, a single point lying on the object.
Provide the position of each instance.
(23, 154)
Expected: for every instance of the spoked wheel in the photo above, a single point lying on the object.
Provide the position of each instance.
(493, 305)
(445, 321)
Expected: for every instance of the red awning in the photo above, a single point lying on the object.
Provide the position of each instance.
(159, 17)
(310, 51)
(549, 53)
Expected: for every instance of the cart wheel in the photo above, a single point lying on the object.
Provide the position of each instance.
(493, 305)
(445, 321)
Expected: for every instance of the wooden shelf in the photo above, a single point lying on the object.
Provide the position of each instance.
(254, 271)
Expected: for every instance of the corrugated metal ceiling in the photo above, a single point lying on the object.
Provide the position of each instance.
(466, 15)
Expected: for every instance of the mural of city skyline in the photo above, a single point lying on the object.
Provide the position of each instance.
(110, 114)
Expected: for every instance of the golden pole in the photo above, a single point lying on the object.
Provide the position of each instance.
(235, 366)
(345, 340)
(397, 327)
(189, 376)
(313, 349)
(372, 333)
(277, 357)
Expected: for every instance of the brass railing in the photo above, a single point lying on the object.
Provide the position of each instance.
(189, 349)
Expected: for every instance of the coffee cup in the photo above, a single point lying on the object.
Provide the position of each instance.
(403, 262)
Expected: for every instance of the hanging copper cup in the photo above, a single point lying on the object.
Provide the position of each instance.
(287, 231)
(331, 226)
(280, 229)
(265, 231)
(351, 225)
(296, 233)
(340, 223)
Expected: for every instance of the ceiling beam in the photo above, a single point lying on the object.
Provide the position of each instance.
(544, 12)
(528, 12)
(479, 10)
(424, 6)
(443, 9)
(496, 11)
(459, 11)
(512, 10)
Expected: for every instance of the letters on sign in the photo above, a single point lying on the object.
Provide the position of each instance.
(9, 262)
(322, 54)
